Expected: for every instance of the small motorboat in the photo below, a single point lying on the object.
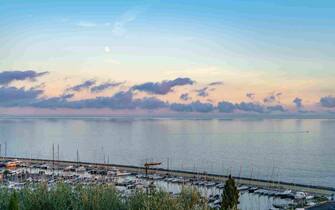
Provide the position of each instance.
(243, 188)
(252, 189)
(210, 184)
(286, 194)
(69, 168)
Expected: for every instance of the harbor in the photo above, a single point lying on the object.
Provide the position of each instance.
(261, 194)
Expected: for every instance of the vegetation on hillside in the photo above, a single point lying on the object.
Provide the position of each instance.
(98, 197)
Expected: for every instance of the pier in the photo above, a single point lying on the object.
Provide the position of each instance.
(322, 190)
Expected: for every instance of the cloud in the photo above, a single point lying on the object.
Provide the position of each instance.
(150, 103)
(229, 107)
(104, 86)
(251, 96)
(202, 107)
(184, 96)
(12, 96)
(250, 107)
(225, 106)
(39, 86)
(192, 107)
(274, 97)
(54, 102)
(119, 26)
(279, 108)
(67, 96)
(202, 92)
(215, 83)
(82, 86)
(298, 102)
(269, 99)
(162, 88)
(7, 77)
(181, 107)
(120, 100)
(328, 101)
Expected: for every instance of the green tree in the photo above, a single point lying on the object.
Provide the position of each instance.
(13, 202)
(230, 195)
(5, 173)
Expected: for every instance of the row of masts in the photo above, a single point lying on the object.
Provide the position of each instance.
(106, 160)
(5, 150)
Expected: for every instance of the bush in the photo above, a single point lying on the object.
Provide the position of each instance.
(13, 202)
(97, 197)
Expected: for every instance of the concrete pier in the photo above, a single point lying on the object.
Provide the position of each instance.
(180, 173)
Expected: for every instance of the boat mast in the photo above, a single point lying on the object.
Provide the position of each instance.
(53, 157)
(5, 149)
(58, 152)
(77, 157)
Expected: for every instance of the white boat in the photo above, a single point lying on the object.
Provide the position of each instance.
(309, 197)
(286, 194)
(80, 169)
(175, 180)
(252, 189)
(243, 188)
(156, 177)
(311, 203)
(300, 195)
(220, 186)
(210, 184)
(119, 173)
(259, 191)
(217, 202)
(44, 166)
(69, 168)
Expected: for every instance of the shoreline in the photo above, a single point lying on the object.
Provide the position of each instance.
(270, 184)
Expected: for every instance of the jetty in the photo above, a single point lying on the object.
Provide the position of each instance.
(269, 184)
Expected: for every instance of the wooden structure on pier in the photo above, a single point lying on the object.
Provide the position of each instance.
(147, 165)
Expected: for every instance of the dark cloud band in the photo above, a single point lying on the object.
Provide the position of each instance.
(7, 77)
(84, 85)
(162, 88)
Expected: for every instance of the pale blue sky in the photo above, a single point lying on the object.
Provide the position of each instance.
(261, 46)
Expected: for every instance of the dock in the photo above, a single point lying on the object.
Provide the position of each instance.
(269, 184)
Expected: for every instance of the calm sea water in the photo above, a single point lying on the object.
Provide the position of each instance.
(300, 151)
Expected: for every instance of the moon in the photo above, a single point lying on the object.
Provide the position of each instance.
(107, 49)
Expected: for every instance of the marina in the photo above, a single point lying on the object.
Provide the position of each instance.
(167, 105)
(270, 151)
(21, 172)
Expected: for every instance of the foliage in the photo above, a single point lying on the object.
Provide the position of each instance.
(13, 202)
(96, 197)
(230, 195)
(5, 173)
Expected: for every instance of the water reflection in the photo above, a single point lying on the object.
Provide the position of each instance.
(280, 149)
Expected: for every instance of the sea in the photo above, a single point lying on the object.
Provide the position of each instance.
(292, 150)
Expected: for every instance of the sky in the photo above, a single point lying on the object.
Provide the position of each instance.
(167, 56)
